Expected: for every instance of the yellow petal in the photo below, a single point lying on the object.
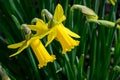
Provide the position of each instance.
(16, 45)
(25, 45)
(40, 26)
(62, 19)
(51, 37)
(59, 14)
(41, 35)
(33, 27)
(71, 33)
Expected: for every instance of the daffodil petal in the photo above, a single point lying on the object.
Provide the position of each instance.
(25, 45)
(71, 33)
(50, 37)
(32, 39)
(40, 23)
(40, 26)
(41, 35)
(59, 14)
(62, 19)
(16, 45)
(18, 52)
(33, 27)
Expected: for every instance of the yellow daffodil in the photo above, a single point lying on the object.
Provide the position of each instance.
(112, 2)
(61, 33)
(38, 48)
(56, 30)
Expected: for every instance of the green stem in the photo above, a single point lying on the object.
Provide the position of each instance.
(100, 42)
(80, 67)
(68, 68)
(35, 68)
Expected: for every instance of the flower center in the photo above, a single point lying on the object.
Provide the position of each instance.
(52, 23)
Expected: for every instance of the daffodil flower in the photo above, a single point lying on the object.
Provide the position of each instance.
(41, 53)
(56, 30)
(61, 33)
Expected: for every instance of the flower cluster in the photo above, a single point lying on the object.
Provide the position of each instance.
(54, 30)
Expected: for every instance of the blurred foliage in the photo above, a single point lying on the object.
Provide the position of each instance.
(95, 58)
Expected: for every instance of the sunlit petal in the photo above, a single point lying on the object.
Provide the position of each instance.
(59, 14)
(51, 37)
(24, 46)
(70, 32)
(42, 25)
(40, 28)
(16, 45)
(33, 27)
